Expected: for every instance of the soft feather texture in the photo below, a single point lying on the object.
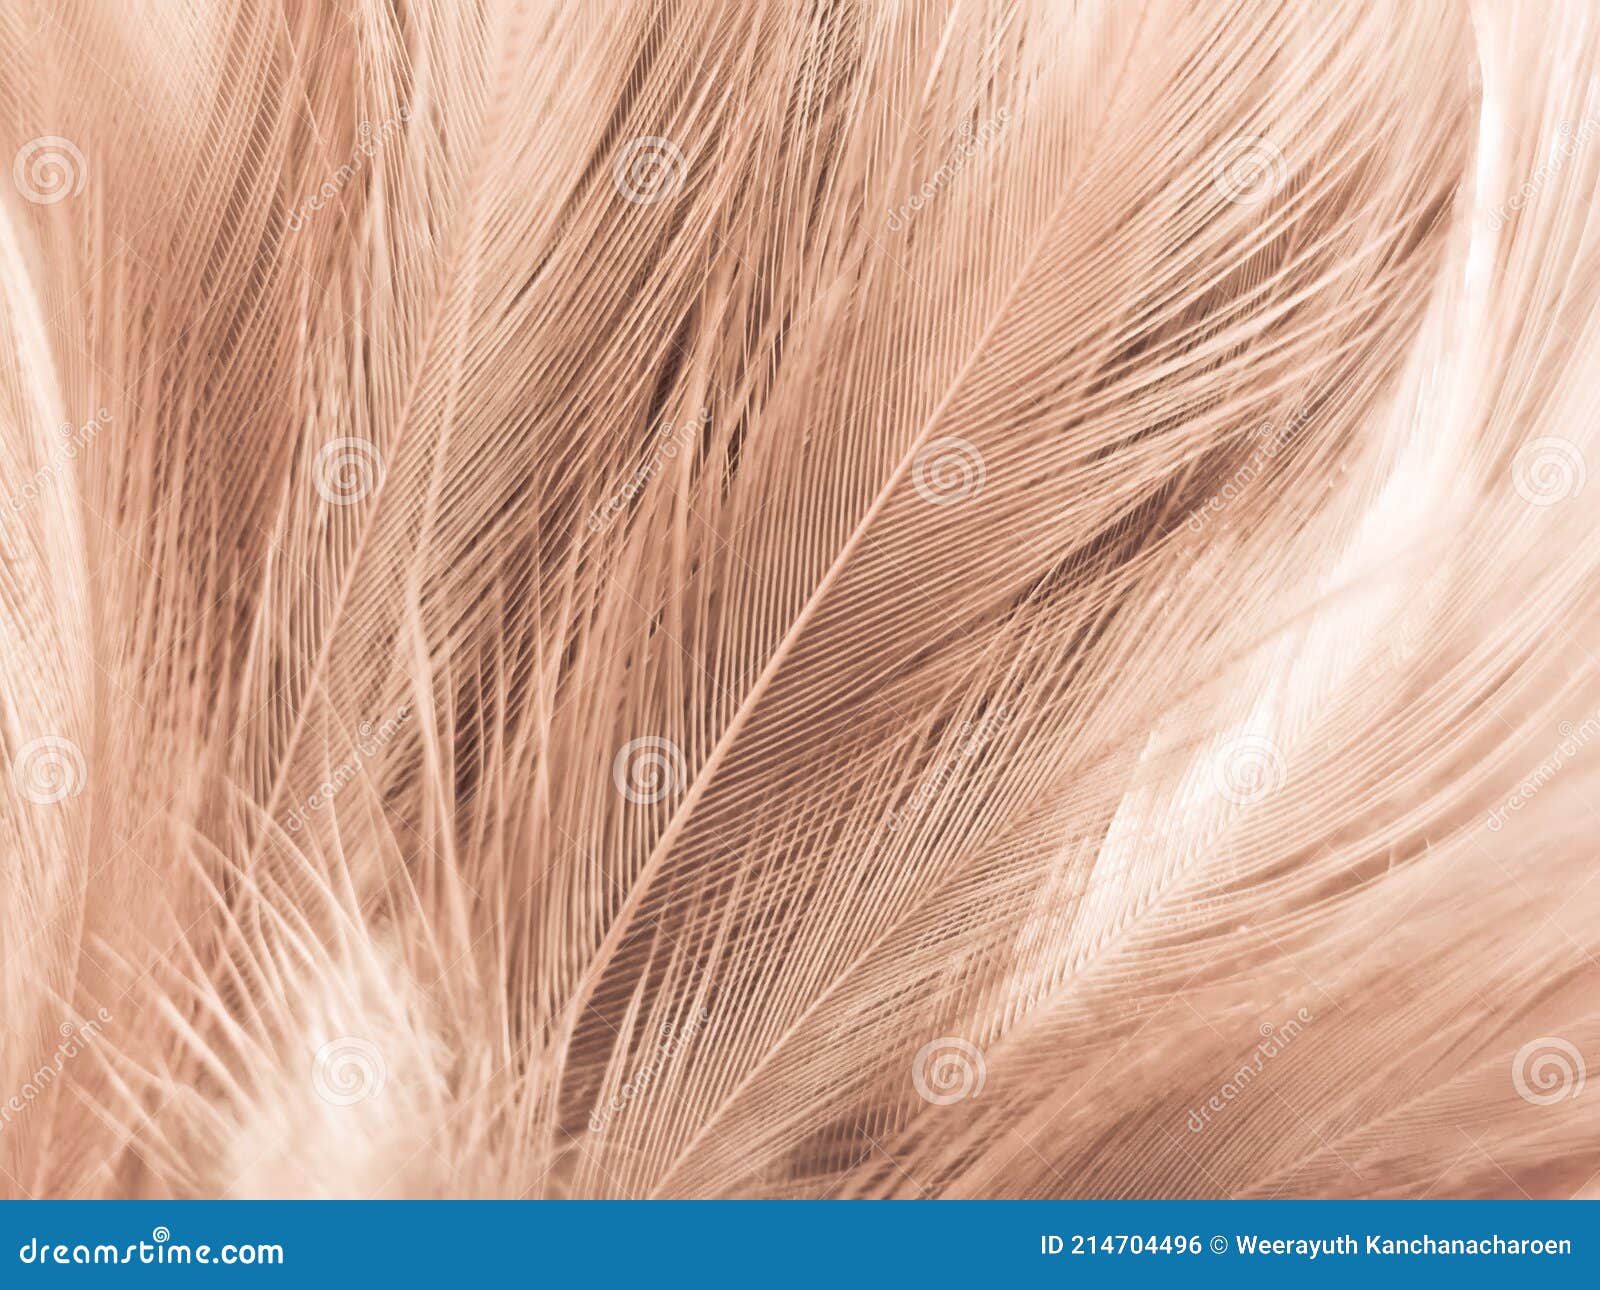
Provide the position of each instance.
(799, 599)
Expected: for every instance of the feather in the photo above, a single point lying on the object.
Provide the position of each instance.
(790, 599)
